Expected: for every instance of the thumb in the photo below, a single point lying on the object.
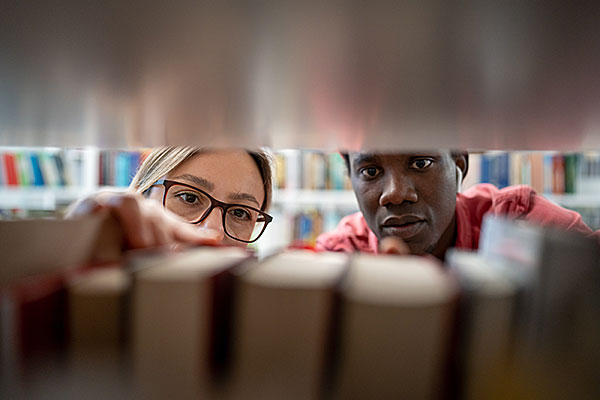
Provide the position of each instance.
(392, 245)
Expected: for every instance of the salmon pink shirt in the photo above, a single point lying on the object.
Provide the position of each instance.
(353, 234)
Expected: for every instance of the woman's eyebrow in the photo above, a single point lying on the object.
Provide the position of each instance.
(205, 184)
(243, 196)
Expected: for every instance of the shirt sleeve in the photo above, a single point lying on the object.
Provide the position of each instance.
(547, 213)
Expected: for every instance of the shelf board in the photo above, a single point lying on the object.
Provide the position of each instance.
(316, 198)
(43, 197)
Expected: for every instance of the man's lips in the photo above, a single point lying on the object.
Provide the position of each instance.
(405, 227)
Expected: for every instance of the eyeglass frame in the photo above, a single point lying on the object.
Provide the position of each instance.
(214, 203)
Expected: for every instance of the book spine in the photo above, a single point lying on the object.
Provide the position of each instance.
(122, 169)
(60, 170)
(570, 172)
(503, 170)
(485, 168)
(134, 164)
(10, 166)
(558, 174)
(548, 173)
(49, 169)
(22, 168)
(2, 174)
(38, 176)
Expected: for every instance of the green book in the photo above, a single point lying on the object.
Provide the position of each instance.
(570, 172)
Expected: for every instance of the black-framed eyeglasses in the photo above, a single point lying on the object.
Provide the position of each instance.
(240, 222)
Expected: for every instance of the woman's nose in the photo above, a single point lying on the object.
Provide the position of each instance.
(214, 222)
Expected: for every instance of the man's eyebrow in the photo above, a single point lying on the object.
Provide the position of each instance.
(243, 196)
(205, 184)
(361, 158)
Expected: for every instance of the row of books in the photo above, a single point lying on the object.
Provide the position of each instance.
(118, 167)
(546, 172)
(40, 168)
(67, 167)
(309, 224)
(311, 170)
(518, 319)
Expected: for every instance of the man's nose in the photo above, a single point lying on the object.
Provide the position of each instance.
(214, 222)
(398, 189)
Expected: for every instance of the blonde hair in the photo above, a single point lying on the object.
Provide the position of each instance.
(163, 160)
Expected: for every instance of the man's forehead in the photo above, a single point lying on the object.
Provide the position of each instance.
(365, 156)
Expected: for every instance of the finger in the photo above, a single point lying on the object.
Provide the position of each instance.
(86, 206)
(187, 233)
(137, 229)
(392, 245)
(161, 234)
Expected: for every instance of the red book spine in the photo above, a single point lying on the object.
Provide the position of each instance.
(10, 165)
(558, 174)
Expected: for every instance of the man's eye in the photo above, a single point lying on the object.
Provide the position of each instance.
(370, 172)
(421, 163)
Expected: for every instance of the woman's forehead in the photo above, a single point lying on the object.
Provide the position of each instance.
(229, 171)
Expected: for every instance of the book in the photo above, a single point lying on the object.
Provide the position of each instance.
(39, 256)
(58, 244)
(536, 160)
(60, 169)
(556, 273)
(49, 170)
(558, 174)
(10, 169)
(122, 169)
(397, 314)
(32, 334)
(181, 316)
(38, 176)
(2, 175)
(98, 322)
(484, 325)
(570, 172)
(283, 318)
(23, 168)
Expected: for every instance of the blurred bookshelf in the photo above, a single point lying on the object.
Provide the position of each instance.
(312, 190)
(38, 181)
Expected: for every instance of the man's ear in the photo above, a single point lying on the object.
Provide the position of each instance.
(462, 165)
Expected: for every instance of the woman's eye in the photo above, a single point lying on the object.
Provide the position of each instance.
(188, 197)
(421, 163)
(240, 213)
(370, 172)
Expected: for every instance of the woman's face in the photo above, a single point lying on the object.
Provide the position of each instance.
(230, 176)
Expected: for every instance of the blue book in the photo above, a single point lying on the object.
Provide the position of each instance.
(485, 168)
(122, 169)
(503, 170)
(134, 161)
(38, 177)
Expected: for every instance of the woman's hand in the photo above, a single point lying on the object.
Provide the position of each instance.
(145, 222)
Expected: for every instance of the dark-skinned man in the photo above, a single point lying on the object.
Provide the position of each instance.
(414, 200)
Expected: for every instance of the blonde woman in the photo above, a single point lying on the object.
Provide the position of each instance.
(192, 195)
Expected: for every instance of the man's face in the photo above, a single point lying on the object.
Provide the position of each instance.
(409, 196)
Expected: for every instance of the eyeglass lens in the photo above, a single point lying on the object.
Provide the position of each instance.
(241, 222)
